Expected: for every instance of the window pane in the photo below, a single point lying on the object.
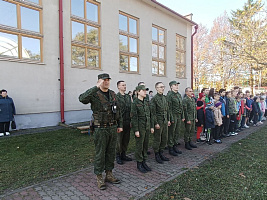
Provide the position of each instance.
(177, 42)
(31, 48)
(123, 43)
(92, 58)
(154, 67)
(133, 64)
(132, 26)
(161, 68)
(133, 45)
(34, 1)
(8, 45)
(8, 14)
(178, 57)
(92, 11)
(154, 50)
(161, 52)
(124, 63)
(154, 34)
(180, 71)
(161, 36)
(78, 55)
(77, 31)
(123, 22)
(77, 8)
(30, 19)
(183, 58)
(182, 43)
(92, 35)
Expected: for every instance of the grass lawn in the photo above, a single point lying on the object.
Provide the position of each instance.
(32, 158)
(238, 173)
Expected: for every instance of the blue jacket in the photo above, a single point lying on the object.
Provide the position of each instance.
(7, 109)
(223, 101)
(209, 122)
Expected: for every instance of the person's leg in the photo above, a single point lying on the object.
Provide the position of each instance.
(157, 139)
(171, 133)
(2, 127)
(125, 141)
(199, 130)
(6, 125)
(139, 146)
(111, 148)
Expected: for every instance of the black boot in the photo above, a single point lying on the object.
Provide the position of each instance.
(172, 152)
(140, 167)
(192, 144)
(175, 148)
(164, 158)
(145, 166)
(157, 157)
(124, 157)
(118, 159)
(187, 146)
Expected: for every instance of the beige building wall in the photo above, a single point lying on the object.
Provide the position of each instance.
(35, 88)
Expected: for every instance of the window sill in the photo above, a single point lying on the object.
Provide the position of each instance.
(10, 59)
(129, 72)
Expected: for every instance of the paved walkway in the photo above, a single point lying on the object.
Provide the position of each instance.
(134, 185)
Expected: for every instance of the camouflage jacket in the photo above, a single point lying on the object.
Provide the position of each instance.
(141, 115)
(159, 108)
(125, 105)
(232, 106)
(101, 106)
(189, 107)
(175, 103)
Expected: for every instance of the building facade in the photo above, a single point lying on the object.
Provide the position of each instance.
(132, 40)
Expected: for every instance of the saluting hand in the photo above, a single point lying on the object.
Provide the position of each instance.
(99, 83)
(137, 134)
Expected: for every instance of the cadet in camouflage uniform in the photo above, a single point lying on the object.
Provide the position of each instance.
(147, 96)
(124, 136)
(142, 125)
(189, 106)
(160, 113)
(176, 117)
(107, 122)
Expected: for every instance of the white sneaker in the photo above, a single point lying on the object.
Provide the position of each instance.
(235, 133)
(1, 134)
(232, 134)
(260, 122)
(246, 126)
(7, 133)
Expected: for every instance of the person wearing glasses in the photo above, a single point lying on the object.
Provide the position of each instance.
(160, 114)
(189, 107)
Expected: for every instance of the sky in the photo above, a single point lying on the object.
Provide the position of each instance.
(204, 11)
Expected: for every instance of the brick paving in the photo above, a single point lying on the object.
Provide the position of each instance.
(134, 184)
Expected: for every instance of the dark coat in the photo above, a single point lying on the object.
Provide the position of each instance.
(7, 109)
(200, 117)
(256, 108)
(209, 122)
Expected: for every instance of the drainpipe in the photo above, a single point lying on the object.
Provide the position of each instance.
(192, 58)
(61, 61)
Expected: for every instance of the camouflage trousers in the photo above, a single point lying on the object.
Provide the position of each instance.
(189, 131)
(174, 130)
(105, 146)
(123, 138)
(141, 145)
(160, 137)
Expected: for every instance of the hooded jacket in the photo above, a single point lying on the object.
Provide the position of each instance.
(7, 109)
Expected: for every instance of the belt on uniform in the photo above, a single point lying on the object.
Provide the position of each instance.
(105, 125)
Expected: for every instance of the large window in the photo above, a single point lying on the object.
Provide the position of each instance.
(85, 25)
(180, 57)
(158, 51)
(21, 30)
(129, 36)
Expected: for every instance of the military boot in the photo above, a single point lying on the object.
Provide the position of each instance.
(100, 182)
(187, 146)
(124, 157)
(145, 166)
(172, 152)
(111, 178)
(157, 157)
(118, 159)
(192, 144)
(175, 148)
(164, 158)
(140, 167)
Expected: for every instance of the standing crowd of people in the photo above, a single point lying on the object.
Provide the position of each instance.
(214, 115)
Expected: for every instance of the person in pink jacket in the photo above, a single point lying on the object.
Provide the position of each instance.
(218, 121)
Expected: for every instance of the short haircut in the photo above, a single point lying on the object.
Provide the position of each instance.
(186, 89)
(150, 91)
(228, 92)
(202, 91)
(3, 90)
(142, 82)
(247, 91)
(222, 90)
(157, 83)
(236, 87)
(119, 82)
